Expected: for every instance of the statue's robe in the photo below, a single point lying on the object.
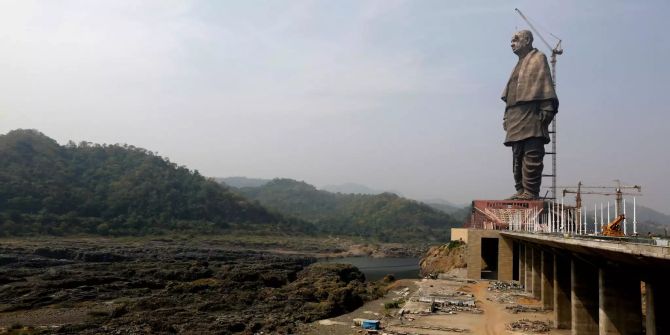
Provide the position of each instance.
(528, 92)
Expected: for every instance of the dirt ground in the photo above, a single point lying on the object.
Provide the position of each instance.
(490, 317)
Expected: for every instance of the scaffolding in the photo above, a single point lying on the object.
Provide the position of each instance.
(536, 216)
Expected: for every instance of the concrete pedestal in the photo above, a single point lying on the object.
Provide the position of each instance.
(584, 298)
(562, 295)
(620, 307)
(547, 290)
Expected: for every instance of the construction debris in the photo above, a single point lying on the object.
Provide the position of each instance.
(444, 329)
(525, 325)
(455, 309)
(504, 286)
(524, 309)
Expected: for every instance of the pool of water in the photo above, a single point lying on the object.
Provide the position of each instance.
(377, 268)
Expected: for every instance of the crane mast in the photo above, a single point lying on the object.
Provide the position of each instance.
(557, 50)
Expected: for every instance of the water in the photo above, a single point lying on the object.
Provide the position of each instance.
(377, 268)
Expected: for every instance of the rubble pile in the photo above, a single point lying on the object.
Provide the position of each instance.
(524, 309)
(525, 325)
(454, 309)
(506, 297)
(504, 286)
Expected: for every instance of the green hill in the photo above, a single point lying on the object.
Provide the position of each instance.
(385, 217)
(113, 189)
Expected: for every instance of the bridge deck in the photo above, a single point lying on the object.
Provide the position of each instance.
(619, 250)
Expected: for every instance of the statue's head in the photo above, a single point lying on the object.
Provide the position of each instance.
(522, 41)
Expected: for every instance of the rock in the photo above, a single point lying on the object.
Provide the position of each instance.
(443, 258)
(159, 288)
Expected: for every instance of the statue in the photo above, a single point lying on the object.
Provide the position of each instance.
(531, 104)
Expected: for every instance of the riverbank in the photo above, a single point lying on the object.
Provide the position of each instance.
(308, 246)
(169, 285)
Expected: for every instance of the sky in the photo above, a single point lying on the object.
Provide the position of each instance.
(391, 94)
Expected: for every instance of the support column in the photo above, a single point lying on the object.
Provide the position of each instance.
(584, 298)
(657, 306)
(562, 295)
(547, 290)
(537, 270)
(505, 258)
(529, 268)
(620, 307)
(522, 264)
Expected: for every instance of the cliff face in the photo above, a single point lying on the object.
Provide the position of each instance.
(441, 259)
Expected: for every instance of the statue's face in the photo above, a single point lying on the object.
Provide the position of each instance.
(519, 42)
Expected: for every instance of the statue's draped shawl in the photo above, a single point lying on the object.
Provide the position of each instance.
(534, 82)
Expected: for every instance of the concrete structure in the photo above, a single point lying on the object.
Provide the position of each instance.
(593, 286)
(547, 285)
(496, 262)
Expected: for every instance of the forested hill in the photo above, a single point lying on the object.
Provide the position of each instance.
(385, 217)
(88, 188)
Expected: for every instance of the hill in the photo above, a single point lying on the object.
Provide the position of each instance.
(385, 217)
(350, 188)
(242, 181)
(460, 213)
(113, 189)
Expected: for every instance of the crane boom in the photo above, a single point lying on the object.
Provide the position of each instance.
(533, 27)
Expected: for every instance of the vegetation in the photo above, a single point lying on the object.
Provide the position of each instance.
(114, 190)
(385, 217)
(118, 190)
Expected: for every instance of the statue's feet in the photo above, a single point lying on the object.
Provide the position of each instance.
(515, 196)
(527, 196)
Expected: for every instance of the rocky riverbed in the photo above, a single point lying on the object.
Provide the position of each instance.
(94, 286)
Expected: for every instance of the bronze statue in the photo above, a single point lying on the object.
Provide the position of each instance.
(531, 104)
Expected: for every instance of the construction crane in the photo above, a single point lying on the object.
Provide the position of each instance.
(612, 228)
(555, 51)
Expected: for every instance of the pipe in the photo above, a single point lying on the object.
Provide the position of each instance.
(601, 213)
(634, 219)
(562, 214)
(624, 217)
(595, 218)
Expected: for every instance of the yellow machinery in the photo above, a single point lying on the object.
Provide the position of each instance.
(614, 228)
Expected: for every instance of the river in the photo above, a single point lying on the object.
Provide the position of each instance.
(377, 268)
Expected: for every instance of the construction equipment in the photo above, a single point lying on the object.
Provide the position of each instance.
(557, 50)
(612, 228)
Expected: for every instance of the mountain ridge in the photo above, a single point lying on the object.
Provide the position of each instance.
(113, 190)
(386, 216)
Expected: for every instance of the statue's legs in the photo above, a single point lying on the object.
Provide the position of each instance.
(517, 165)
(533, 165)
(527, 165)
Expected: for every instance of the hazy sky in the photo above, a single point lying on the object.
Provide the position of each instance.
(401, 95)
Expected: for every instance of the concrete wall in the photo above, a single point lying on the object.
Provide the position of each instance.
(459, 234)
(474, 255)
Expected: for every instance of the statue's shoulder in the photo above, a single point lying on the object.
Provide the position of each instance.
(537, 53)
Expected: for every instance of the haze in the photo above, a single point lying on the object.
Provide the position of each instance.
(401, 95)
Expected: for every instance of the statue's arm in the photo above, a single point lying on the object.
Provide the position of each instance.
(505, 120)
(547, 111)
